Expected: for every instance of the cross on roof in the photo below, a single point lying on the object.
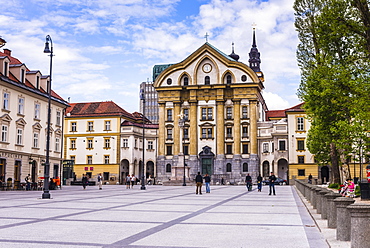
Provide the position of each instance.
(206, 36)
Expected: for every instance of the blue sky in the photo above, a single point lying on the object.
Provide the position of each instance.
(105, 48)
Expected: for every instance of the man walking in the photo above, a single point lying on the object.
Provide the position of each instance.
(100, 181)
(207, 180)
(28, 181)
(272, 179)
(199, 183)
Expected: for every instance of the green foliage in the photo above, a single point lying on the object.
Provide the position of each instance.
(333, 56)
(357, 191)
(334, 186)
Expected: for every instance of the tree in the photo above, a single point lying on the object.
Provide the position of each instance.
(333, 56)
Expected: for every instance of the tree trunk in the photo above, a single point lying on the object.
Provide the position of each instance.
(334, 164)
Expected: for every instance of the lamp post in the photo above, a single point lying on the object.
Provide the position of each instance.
(182, 127)
(142, 97)
(46, 194)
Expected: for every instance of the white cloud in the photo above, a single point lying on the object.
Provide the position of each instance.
(275, 102)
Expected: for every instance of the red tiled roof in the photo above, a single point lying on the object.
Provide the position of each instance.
(130, 123)
(13, 61)
(271, 114)
(108, 108)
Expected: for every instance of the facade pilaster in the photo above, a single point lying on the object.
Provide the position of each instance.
(253, 125)
(161, 129)
(220, 128)
(193, 147)
(176, 129)
(237, 133)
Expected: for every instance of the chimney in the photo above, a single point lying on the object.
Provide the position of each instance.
(7, 51)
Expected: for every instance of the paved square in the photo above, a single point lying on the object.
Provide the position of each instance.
(160, 216)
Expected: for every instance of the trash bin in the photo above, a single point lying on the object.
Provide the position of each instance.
(365, 191)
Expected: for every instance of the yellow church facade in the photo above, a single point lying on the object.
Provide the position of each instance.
(209, 106)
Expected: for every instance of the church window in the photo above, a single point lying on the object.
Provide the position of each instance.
(169, 81)
(186, 114)
(228, 167)
(207, 80)
(245, 132)
(245, 112)
(229, 132)
(169, 150)
(168, 168)
(229, 149)
(244, 78)
(186, 81)
(229, 113)
(169, 114)
(228, 79)
(169, 134)
(245, 167)
(245, 148)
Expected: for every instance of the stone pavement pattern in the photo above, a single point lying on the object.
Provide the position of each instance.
(161, 216)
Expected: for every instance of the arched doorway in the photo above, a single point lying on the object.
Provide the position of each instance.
(124, 170)
(265, 168)
(149, 169)
(283, 169)
(324, 174)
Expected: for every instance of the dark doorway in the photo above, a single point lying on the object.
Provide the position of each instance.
(206, 160)
(149, 169)
(325, 174)
(265, 169)
(33, 171)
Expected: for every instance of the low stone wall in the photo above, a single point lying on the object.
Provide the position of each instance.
(350, 219)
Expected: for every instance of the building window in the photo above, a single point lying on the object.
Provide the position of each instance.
(106, 159)
(245, 149)
(186, 114)
(37, 111)
(73, 126)
(281, 145)
(21, 105)
(90, 126)
(245, 132)
(6, 101)
(207, 80)
(6, 69)
(58, 118)
(73, 144)
(300, 145)
(207, 133)
(169, 81)
(245, 112)
(169, 114)
(245, 167)
(90, 144)
(4, 133)
(301, 172)
(204, 113)
(150, 145)
(135, 143)
(185, 133)
(186, 81)
(168, 168)
(229, 149)
(244, 78)
(57, 144)
(229, 132)
(19, 136)
(38, 82)
(35, 140)
(207, 114)
(106, 143)
(169, 133)
(265, 147)
(300, 124)
(185, 149)
(228, 167)
(22, 75)
(125, 143)
(229, 113)
(228, 79)
(300, 159)
(169, 150)
(107, 126)
(89, 159)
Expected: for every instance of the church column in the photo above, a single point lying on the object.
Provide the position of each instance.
(176, 130)
(237, 133)
(193, 133)
(220, 139)
(161, 129)
(253, 126)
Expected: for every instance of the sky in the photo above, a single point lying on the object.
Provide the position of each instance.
(104, 49)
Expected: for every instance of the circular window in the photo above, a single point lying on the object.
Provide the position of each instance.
(244, 78)
(169, 81)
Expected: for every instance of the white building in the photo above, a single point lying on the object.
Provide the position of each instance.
(23, 117)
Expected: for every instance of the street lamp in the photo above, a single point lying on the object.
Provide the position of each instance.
(182, 127)
(46, 194)
(142, 97)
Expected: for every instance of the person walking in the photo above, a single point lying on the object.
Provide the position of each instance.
(207, 180)
(248, 181)
(310, 178)
(199, 183)
(100, 181)
(259, 182)
(222, 181)
(28, 181)
(85, 181)
(128, 181)
(133, 181)
(272, 179)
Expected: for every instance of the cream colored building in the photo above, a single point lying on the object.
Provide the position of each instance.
(221, 102)
(24, 110)
(101, 137)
